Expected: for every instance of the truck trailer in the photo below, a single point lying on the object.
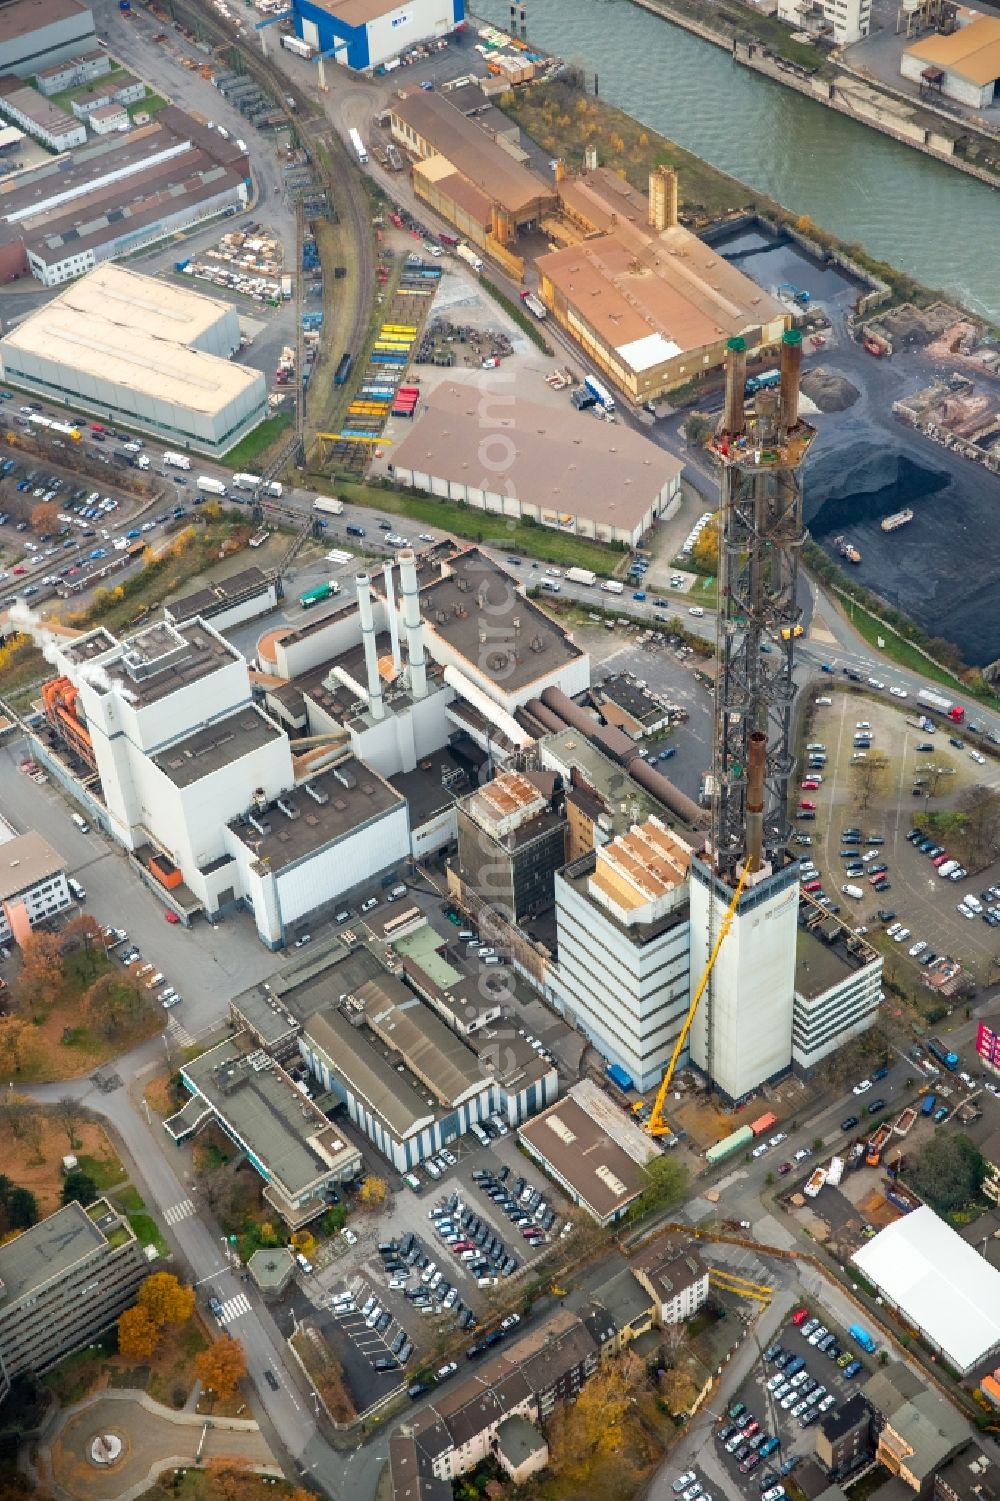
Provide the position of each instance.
(729, 1145)
(247, 481)
(210, 486)
(469, 257)
(328, 505)
(941, 705)
(177, 460)
(815, 1183)
(581, 576)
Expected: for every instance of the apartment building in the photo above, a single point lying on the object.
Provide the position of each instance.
(917, 1433)
(675, 1277)
(62, 1283)
(33, 885)
(845, 1438)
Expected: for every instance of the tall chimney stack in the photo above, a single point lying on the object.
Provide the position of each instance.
(755, 800)
(736, 380)
(412, 622)
(791, 365)
(390, 609)
(662, 199)
(375, 701)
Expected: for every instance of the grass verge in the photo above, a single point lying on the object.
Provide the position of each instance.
(148, 1232)
(251, 447)
(107, 1172)
(480, 526)
(904, 654)
(517, 315)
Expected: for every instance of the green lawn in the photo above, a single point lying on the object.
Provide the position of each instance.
(149, 1232)
(150, 105)
(900, 651)
(129, 1200)
(478, 526)
(105, 1171)
(108, 81)
(251, 447)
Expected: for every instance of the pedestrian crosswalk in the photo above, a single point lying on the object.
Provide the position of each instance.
(178, 1211)
(179, 1034)
(234, 1308)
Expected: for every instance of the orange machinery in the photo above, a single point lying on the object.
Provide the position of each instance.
(59, 697)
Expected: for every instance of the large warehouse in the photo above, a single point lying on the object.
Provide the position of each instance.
(35, 34)
(939, 1284)
(142, 352)
(560, 468)
(366, 34)
(965, 65)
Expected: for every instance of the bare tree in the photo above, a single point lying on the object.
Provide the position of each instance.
(869, 778)
(70, 1114)
(33, 1132)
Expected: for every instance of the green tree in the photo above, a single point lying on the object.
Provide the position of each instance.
(949, 1172)
(22, 1210)
(79, 1188)
(697, 429)
(666, 1181)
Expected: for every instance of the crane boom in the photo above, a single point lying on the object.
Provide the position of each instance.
(657, 1124)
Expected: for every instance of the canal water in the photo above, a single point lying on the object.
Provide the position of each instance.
(925, 218)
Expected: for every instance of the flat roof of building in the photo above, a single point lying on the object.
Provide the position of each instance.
(824, 961)
(474, 153)
(221, 743)
(583, 1155)
(333, 803)
(266, 1014)
(635, 701)
(25, 862)
(218, 594)
(451, 610)
(563, 462)
(940, 1284)
(19, 18)
(41, 111)
(973, 51)
(433, 787)
(162, 658)
(69, 63)
(275, 1120)
(115, 326)
(612, 783)
(46, 1251)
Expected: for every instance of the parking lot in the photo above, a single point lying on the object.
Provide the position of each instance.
(859, 726)
(768, 1426)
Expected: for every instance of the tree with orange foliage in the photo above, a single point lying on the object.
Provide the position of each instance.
(42, 971)
(45, 517)
(373, 1193)
(222, 1366)
(165, 1299)
(138, 1335)
(87, 931)
(13, 1040)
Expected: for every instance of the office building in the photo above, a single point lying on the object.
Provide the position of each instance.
(938, 1284)
(364, 35)
(511, 842)
(275, 1124)
(32, 886)
(36, 34)
(917, 1433)
(561, 469)
(623, 935)
(124, 90)
(838, 985)
(62, 1283)
(73, 72)
(841, 21)
(650, 303)
(845, 1438)
(150, 354)
(117, 194)
(675, 1277)
(742, 1032)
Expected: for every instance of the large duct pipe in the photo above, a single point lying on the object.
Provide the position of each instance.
(755, 799)
(498, 717)
(736, 379)
(390, 606)
(545, 717)
(412, 622)
(376, 703)
(791, 365)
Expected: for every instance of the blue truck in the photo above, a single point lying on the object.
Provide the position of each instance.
(861, 1337)
(944, 1055)
(927, 1108)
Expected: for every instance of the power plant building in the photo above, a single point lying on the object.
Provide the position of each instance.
(561, 469)
(149, 354)
(650, 303)
(366, 34)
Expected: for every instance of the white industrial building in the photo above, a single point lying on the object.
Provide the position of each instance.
(147, 353)
(366, 34)
(742, 1031)
(623, 940)
(938, 1284)
(39, 117)
(33, 885)
(838, 986)
(963, 65)
(845, 21)
(560, 468)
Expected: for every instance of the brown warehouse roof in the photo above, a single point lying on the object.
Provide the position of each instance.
(22, 17)
(472, 152)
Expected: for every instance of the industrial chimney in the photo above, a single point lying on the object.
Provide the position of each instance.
(662, 199)
(375, 702)
(755, 800)
(412, 622)
(736, 380)
(390, 606)
(791, 364)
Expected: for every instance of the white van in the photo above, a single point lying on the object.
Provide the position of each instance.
(854, 892)
(76, 890)
(81, 823)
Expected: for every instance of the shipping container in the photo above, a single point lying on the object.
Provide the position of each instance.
(728, 1145)
(763, 1123)
(618, 1076)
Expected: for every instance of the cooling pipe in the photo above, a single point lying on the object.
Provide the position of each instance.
(791, 365)
(755, 800)
(547, 718)
(733, 419)
(412, 622)
(390, 606)
(376, 704)
(498, 717)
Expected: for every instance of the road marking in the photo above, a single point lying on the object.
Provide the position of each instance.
(234, 1308)
(178, 1212)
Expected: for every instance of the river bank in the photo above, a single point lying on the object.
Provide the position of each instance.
(825, 81)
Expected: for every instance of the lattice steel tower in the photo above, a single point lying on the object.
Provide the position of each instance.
(761, 451)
